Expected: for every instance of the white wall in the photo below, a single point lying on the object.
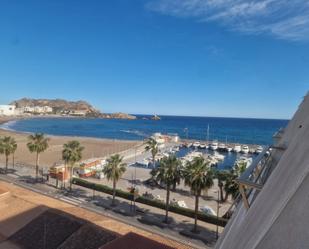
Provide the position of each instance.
(7, 110)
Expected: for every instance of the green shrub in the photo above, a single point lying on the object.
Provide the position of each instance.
(154, 203)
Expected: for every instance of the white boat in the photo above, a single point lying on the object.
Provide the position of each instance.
(259, 150)
(196, 144)
(218, 156)
(203, 146)
(221, 147)
(245, 149)
(252, 151)
(245, 160)
(214, 145)
(237, 148)
(229, 149)
(189, 157)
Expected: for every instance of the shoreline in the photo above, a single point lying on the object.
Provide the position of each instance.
(94, 147)
(4, 120)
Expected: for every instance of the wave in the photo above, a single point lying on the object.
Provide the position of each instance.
(8, 125)
(135, 132)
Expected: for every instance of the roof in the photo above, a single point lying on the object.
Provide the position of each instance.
(278, 218)
(133, 240)
(23, 220)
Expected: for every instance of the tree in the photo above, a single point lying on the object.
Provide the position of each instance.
(168, 173)
(14, 148)
(71, 154)
(38, 143)
(221, 176)
(113, 170)
(7, 147)
(198, 176)
(152, 146)
(231, 186)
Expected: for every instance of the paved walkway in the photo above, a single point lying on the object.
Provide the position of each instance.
(144, 216)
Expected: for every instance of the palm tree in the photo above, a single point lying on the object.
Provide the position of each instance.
(198, 176)
(113, 170)
(152, 146)
(71, 154)
(231, 186)
(168, 173)
(222, 176)
(7, 147)
(38, 143)
(14, 148)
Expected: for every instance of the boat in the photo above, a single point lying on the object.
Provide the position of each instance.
(189, 157)
(221, 147)
(229, 149)
(196, 144)
(246, 160)
(203, 146)
(218, 156)
(237, 148)
(252, 151)
(187, 145)
(259, 150)
(245, 149)
(214, 145)
(155, 117)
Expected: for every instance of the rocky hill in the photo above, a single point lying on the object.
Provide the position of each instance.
(119, 115)
(61, 106)
(58, 105)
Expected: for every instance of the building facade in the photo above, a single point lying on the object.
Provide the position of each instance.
(7, 110)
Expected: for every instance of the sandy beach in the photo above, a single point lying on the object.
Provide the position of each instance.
(93, 147)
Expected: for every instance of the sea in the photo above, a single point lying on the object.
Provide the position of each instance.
(230, 130)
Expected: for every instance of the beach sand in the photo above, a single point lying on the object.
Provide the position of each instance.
(99, 148)
(93, 147)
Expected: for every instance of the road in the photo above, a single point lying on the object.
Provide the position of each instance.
(100, 205)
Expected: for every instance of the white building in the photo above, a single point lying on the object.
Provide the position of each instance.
(28, 109)
(38, 109)
(7, 110)
(47, 109)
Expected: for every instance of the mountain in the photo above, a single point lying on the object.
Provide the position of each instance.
(61, 106)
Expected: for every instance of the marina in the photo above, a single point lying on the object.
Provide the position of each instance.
(219, 155)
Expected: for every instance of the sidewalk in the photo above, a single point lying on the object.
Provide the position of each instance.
(144, 216)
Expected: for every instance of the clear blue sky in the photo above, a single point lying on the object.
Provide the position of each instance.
(182, 57)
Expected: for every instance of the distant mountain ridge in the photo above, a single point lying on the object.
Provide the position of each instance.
(61, 106)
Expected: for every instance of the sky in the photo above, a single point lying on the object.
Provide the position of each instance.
(226, 58)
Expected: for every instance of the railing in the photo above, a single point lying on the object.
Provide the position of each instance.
(254, 177)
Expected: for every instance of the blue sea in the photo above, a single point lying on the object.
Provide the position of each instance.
(233, 130)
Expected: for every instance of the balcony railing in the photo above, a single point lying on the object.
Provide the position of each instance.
(253, 179)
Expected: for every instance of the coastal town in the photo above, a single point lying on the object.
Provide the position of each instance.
(140, 163)
(154, 124)
(26, 107)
